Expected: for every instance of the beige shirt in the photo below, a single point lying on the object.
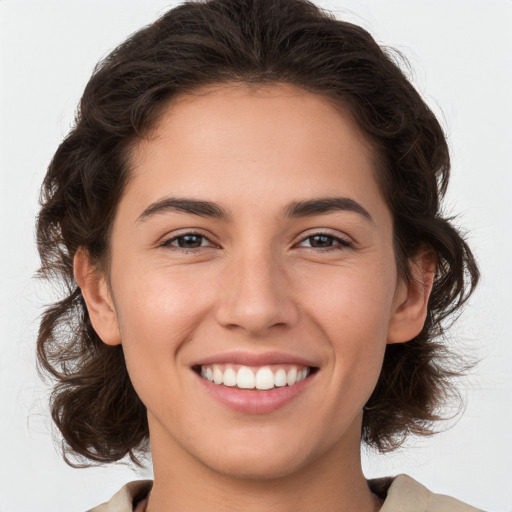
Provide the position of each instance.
(403, 494)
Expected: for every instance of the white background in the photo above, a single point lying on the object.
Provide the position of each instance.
(460, 51)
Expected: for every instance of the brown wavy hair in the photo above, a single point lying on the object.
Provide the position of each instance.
(93, 403)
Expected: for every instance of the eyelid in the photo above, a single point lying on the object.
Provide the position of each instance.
(166, 241)
(343, 239)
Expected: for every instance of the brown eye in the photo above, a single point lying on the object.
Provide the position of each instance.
(324, 241)
(321, 241)
(188, 241)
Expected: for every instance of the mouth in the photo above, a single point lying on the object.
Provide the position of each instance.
(256, 383)
(256, 378)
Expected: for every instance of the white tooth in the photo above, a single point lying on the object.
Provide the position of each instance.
(203, 372)
(209, 374)
(230, 377)
(217, 374)
(280, 378)
(264, 378)
(291, 377)
(300, 375)
(245, 378)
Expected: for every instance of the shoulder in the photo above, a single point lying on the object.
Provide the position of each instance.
(403, 494)
(406, 494)
(126, 498)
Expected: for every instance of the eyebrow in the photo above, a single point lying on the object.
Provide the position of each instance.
(184, 205)
(325, 205)
(305, 208)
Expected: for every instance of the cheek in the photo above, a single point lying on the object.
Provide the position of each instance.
(158, 310)
(158, 313)
(353, 309)
(351, 301)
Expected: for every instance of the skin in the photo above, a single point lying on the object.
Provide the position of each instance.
(257, 283)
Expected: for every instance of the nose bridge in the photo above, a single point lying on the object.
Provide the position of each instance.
(257, 293)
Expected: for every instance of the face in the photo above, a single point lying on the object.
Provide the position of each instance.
(252, 246)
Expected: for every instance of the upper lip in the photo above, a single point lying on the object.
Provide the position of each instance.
(255, 359)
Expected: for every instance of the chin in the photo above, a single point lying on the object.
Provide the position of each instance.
(260, 465)
(261, 457)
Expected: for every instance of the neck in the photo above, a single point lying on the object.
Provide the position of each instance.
(332, 482)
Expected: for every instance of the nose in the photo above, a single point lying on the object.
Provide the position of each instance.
(256, 295)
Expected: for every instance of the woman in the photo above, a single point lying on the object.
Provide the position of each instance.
(247, 216)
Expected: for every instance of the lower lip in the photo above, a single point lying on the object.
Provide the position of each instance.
(256, 401)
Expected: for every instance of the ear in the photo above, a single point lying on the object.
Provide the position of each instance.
(97, 296)
(411, 298)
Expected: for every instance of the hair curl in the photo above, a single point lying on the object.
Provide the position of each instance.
(93, 402)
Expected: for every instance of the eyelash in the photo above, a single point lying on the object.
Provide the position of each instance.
(342, 243)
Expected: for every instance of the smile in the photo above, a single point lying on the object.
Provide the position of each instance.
(252, 383)
(258, 378)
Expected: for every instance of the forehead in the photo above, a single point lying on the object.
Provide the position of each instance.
(259, 111)
(253, 143)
